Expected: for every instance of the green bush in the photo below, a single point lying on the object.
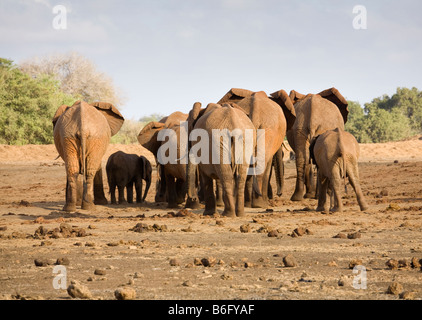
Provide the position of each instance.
(27, 106)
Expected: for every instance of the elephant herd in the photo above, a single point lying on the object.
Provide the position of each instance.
(223, 154)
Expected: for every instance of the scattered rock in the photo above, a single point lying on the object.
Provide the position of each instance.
(404, 264)
(187, 283)
(226, 276)
(392, 264)
(289, 261)
(355, 262)
(245, 228)
(143, 227)
(78, 291)
(3, 228)
(208, 262)
(63, 261)
(395, 288)
(273, 234)
(219, 222)
(299, 231)
(248, 264)
(407, 295)
(41, 262)
(354, 235)
(174, 262)
(416, 263)
(100, 272)
(393, 207)
(112, 244)
(332, 263)
(197, 262)
(125, 293)
(340, 235)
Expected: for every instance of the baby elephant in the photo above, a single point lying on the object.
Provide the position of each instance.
(336, 154)
(124, 170)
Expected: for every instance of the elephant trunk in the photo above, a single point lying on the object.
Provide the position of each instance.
(148, 184)
(279, 170)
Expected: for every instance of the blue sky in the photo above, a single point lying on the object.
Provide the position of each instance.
(167, 54)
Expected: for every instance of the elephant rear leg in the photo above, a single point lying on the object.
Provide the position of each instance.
(121, 190)
(88, 196)
(322, 197)
(337, 187)
(112, 186)
(71, 192)
(261, 201)
(129, 192)
(354, 181)
(209, 196)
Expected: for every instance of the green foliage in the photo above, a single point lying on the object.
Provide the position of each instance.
(151, 117)
(387, 118)
(128, 133)
(27, 106)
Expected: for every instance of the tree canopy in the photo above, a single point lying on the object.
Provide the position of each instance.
(387, 118)
(27, 106)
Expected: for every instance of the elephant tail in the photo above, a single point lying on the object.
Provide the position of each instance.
(343, 156)
(83, 147)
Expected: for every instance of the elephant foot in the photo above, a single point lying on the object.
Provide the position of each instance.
(320, 209)
(259, 203)
(219, 203)
(192, 204)
(122, 202)
(310, 195)
(336, 209)
(101, 201)
(88, 206)
(69, 207)
(364, 207)
(297, 196)
(229, 214)
(248, 204)
(209, 212)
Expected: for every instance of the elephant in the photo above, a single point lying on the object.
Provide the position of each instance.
(336, 154)
(81, 135)
(230, 168)
(266, 114)
(173, 169)
(315, 114)
(123, 171)
(148, 139)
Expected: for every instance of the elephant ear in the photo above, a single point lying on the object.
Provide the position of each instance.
(114, 118)
(146, 136)
(235, 95)
(335, 97)
(296, 96)
(62, 109)
(286, 104)
(236, 106)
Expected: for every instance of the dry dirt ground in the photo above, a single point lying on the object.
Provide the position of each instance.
(161, 259)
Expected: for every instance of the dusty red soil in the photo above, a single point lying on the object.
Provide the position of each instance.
(161, 261)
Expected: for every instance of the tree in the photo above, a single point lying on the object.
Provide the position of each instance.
(356, 122)
(382, 125)
(27, 106)
(77, 76)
